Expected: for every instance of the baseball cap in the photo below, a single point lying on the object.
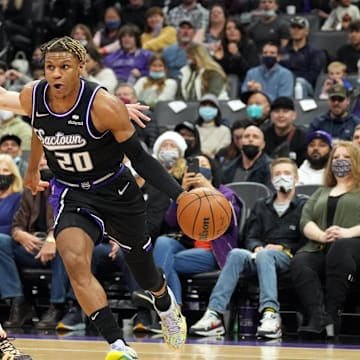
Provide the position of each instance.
(211, 98)
(300, 22)
(319, 134)
(187, 22)
(338, 90)
(283, 102)
(185, 125)
(13, 137)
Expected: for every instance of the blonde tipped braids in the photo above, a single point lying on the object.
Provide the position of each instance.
(65, 44)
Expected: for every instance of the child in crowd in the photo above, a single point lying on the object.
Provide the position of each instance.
(336, 75)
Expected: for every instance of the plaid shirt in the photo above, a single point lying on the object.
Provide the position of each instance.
(197, 15)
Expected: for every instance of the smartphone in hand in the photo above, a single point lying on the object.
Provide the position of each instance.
(193, 165)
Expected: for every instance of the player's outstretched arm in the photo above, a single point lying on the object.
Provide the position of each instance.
(10, 100)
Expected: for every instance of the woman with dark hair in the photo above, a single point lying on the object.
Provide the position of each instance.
(215, 31)
(213, 135)
(190, 133)
(236, 53)
(157, 34)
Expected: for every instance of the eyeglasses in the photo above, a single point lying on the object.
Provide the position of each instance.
(337, 98)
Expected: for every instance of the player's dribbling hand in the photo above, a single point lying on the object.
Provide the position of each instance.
(34, 183)
(135, 113)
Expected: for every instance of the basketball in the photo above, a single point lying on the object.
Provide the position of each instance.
(204, 214)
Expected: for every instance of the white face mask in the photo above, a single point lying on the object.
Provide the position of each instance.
(284, 183)
(168, 157)
(6, 115)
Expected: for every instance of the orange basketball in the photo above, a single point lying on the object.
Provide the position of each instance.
(204, 214)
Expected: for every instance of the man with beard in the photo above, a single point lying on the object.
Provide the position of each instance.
(319, 144)
(252, 164)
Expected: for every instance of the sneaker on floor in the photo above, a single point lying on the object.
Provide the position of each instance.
(155, 327)
(173, 324)
(120, 353)
(209, 325)
(270, 325)
(9, 352)
(72, 320)
(142, 321)
(50, 318)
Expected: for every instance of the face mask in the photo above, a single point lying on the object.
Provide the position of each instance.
(254, 111)
(168, 157)
(6, 181)
(250, 151)
(206, 173)
(269, 61)
(341, 167)
(83, 42)
(156, 75)
(6, 115)
(112, 24)
(318, 163)
(46, 174)
(284, 183)
(208, 113)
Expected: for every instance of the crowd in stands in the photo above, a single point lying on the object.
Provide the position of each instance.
(185, 51)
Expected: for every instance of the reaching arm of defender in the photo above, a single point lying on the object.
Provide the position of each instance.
(10, 100)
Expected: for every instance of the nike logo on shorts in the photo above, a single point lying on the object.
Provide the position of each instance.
(122, 191)
(41, 115)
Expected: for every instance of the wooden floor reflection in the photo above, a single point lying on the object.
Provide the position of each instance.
(54, 349)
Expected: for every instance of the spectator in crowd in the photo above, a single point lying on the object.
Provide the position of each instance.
(258, 108)
(253, 163)
(130, 62)
(270, 77)
(11, 144)
(8, 350)
(323, 270)
(177, 253)
(36, 65)
(202, 75)
(336, 75)
(126, 93)
(338, 122)
(83, 33)
(12, 79)
(236, 53)
(230, 152)
(194, 12)
(156, 86)
(349, 54)
(272, 236)
(190, 133)
(134, 13)
(213, 135)
(269, 27)
(283, 138)
(341, 16)
(106, 38)
(175, 55)
(312, 170)
(300, 57)
(356, 135)
(157, 34)
(12, 124)
(96, 72)
(216, 27)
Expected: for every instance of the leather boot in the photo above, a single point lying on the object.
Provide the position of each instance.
(20, 312)
(319, 321)
(50, 318)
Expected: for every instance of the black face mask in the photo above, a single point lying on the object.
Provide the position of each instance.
(46, 174)
(250, 151)
(318, 163)
(6, 181)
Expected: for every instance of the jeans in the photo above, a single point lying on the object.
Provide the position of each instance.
(240, 262)
(174, 258)
(12, 255)
(102, 264)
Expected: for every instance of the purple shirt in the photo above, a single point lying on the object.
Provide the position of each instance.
(122, 63)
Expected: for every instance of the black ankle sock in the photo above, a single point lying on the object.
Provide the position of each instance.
(104, 321)
(163, 301)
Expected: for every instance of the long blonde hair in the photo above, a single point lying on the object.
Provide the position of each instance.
(17, 185)
(354, 152)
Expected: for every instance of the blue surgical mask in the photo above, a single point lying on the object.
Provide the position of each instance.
(205, 172)
(254, 111)
(156, 75)
(208, 113)
(269, 61)
(112, 24)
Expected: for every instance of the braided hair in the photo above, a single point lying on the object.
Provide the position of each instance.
(64, 44)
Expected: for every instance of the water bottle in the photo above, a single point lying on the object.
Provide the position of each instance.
(298, 91)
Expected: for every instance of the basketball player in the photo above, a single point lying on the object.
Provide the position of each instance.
(84, 132)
